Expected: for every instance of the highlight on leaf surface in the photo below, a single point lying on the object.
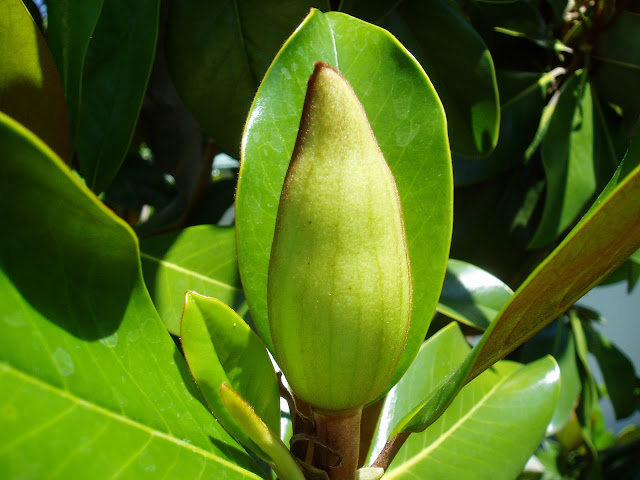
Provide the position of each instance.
(339, 284)
(278, 456)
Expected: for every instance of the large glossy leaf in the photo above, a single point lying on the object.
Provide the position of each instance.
(116, 71)
(221, 348)
(69, 28)
(489, 431)
(460, 68)
(471, 295)
(575, 156)
(571, 270)
(93, 385)
(409, 124)
(605, 237)
(30, 88)
(200, 258)
(218, 52)
(557, 340)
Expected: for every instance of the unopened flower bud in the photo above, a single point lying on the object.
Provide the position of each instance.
(339, 286)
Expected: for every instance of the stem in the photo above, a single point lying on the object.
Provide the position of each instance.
(341, 433)
(390, 450)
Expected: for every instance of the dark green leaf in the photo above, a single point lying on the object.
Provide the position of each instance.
(221, 348)
(570, 161)
(218, 52)
(93, 385)
(472, 295)
(200, 258)
(460, 68)
(69, 28)
(486, 421)
(571, 270)
(522, 96)
(409, 124)
(605, 237)
(30, 88)
(116, 71)
(617, 370)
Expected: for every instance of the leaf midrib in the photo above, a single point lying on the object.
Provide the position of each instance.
(186, 271)
(424, 453)
(5, 368)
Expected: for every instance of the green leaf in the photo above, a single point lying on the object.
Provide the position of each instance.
(491, 428)
(571, 270)
(460, 68)
(588, 404)
(116, 71)
(557, 340)
(522, 97)
(69, 29)
(281, 460)
(617, 370)
(200, 258)
(605, 237)
(408, 122)
(472, 295)
(618, 63)
(569, 159)
(30, 88)
(218, 52)
(221, 348)
(93, 385)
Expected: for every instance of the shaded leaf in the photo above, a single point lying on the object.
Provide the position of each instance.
(471, 295)
(69, 28)
(116, 71)
(486, 421)
(82, 349)
(461, 70)
(617, 370)
(200, 258)
(30, 88)
(218, 52)
(617, 55)
(522, 96)
(408, 122)
(569, 159)
(221, 349)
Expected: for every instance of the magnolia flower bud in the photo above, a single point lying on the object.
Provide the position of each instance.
(339, 286)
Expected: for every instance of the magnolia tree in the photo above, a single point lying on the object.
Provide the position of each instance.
(346, 325)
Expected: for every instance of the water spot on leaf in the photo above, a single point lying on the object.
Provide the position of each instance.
(406, 133)
(111, 341)
(14, 319)
(63, 361)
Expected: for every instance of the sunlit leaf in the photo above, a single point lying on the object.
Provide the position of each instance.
(491, 428)
(409, 125)
(460, 68)
(200, 258)
(221, 348)
(93, 385)
(472, 295)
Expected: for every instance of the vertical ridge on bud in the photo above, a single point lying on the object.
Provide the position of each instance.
(339, 286)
